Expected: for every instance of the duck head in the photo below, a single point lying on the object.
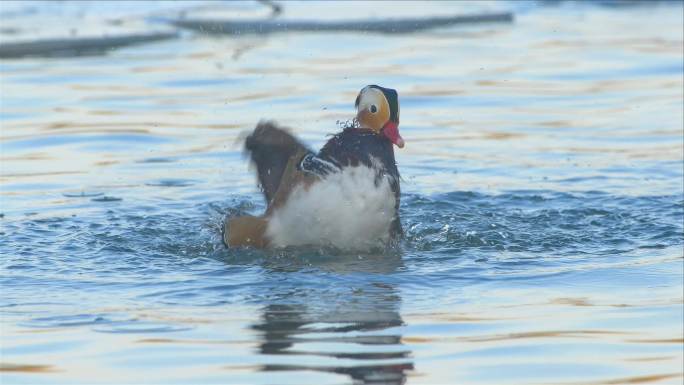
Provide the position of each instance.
(377, 109)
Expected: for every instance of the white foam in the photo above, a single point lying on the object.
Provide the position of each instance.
(345, 210)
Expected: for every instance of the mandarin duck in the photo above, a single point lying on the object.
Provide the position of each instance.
(345, 196)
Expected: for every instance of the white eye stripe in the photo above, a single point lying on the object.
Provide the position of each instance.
(373, 102)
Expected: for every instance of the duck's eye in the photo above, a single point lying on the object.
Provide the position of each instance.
(373, 109)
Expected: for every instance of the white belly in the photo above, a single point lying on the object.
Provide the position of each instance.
(345, 210)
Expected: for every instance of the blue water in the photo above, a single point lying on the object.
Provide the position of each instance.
(543, 201)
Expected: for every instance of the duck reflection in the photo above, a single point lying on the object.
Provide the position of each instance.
(349, 330)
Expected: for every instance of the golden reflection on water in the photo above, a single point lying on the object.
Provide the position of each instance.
(4, 367)
(631, 380)
(296, 332)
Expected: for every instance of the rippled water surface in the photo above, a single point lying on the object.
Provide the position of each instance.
(542, 200)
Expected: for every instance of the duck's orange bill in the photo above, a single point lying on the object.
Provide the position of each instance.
(391, 131)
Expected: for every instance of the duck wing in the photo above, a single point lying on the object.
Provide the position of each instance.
(270, 148)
